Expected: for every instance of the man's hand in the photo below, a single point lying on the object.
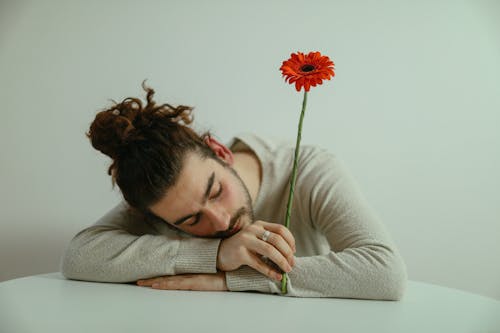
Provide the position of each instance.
(247, 248)
(204, 282)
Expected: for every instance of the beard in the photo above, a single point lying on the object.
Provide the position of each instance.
(244, 212)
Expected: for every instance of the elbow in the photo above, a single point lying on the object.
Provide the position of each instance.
(388, 276)
(395, 291)
(75, 264)
(81, 262)
(70, 265)
(395, 280)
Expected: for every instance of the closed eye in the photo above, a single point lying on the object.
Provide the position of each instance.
(219, 192)
(215, 196)
(196, 220)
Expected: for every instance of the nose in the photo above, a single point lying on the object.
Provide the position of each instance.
(219, 218)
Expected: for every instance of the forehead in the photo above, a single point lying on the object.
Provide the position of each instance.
(189, 188)
(194, 173)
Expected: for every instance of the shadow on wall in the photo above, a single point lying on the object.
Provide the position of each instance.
(37, 254)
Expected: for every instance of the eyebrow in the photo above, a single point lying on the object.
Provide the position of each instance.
(210, 183)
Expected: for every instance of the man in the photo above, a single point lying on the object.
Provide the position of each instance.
(217, 226)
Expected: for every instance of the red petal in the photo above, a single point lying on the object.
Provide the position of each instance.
(307, 86)
(297, 86)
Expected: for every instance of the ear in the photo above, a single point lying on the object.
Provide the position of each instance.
(219, 149)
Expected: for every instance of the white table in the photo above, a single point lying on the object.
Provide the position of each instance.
(50, 303)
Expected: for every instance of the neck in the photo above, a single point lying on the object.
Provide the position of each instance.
(248, 167)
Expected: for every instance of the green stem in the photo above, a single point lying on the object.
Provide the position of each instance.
(293, 179)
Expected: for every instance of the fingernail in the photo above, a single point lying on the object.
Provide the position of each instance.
(278, 277)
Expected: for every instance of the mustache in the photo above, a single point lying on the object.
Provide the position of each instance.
(222, 234)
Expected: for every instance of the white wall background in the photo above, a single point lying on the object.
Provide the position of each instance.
(413, 110)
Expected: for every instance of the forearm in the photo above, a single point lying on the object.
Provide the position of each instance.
(370, 272)
(113, 255)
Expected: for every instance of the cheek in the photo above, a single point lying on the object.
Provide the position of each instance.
(232, 197)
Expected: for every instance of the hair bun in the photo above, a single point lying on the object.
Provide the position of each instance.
(110, 131)
(114, 128)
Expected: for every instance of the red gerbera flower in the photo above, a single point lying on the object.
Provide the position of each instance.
(307, 70)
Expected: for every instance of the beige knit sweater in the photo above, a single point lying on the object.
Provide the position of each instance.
(343, 250)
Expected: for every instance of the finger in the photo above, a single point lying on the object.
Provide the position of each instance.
(147, 282)
(175, 282)
(282, 246)
(280, 230)
(268, 250)
(165, 284)
(277, 241)
(191, 282)
(257, 264)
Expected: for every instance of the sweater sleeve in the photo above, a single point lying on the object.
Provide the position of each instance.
(363, 262)
(120, 247)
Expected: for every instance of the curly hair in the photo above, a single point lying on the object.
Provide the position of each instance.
(147, 145)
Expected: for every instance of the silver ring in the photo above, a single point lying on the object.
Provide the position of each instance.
(265, 235)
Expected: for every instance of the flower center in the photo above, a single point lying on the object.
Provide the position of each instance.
(307, 68)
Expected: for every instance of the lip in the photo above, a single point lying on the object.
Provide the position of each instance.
(235, 228)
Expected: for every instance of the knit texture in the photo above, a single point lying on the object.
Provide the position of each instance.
(343, 249)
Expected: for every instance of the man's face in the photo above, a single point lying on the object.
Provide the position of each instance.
(208, 200)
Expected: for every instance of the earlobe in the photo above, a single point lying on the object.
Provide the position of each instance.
(219, 149)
